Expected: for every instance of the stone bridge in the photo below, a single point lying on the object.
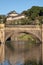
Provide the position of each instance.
(10, 31)
(32, 29)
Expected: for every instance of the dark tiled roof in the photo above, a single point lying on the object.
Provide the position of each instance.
(14, 12)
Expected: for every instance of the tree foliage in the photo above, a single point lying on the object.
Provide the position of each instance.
(34, 11)
(31, 15)
(2, 18)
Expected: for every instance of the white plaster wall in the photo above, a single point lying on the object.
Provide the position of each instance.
(15, 18)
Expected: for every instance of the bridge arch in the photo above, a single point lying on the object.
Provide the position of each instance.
(9, 38)
(30, 34)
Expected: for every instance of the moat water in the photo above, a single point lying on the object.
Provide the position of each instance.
(18, 57)
(8, 63)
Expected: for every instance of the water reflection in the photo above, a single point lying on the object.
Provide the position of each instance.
(23, 51)
(6, 62)
(22, 63)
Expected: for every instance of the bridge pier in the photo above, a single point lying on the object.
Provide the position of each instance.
(2, 44)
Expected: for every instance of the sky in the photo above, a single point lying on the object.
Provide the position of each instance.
(18, 5)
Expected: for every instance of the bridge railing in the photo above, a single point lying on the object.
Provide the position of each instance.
(23, 26)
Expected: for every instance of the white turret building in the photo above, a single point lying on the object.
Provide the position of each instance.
(14, 16)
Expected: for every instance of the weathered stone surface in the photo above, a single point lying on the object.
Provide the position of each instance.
(6, 32)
